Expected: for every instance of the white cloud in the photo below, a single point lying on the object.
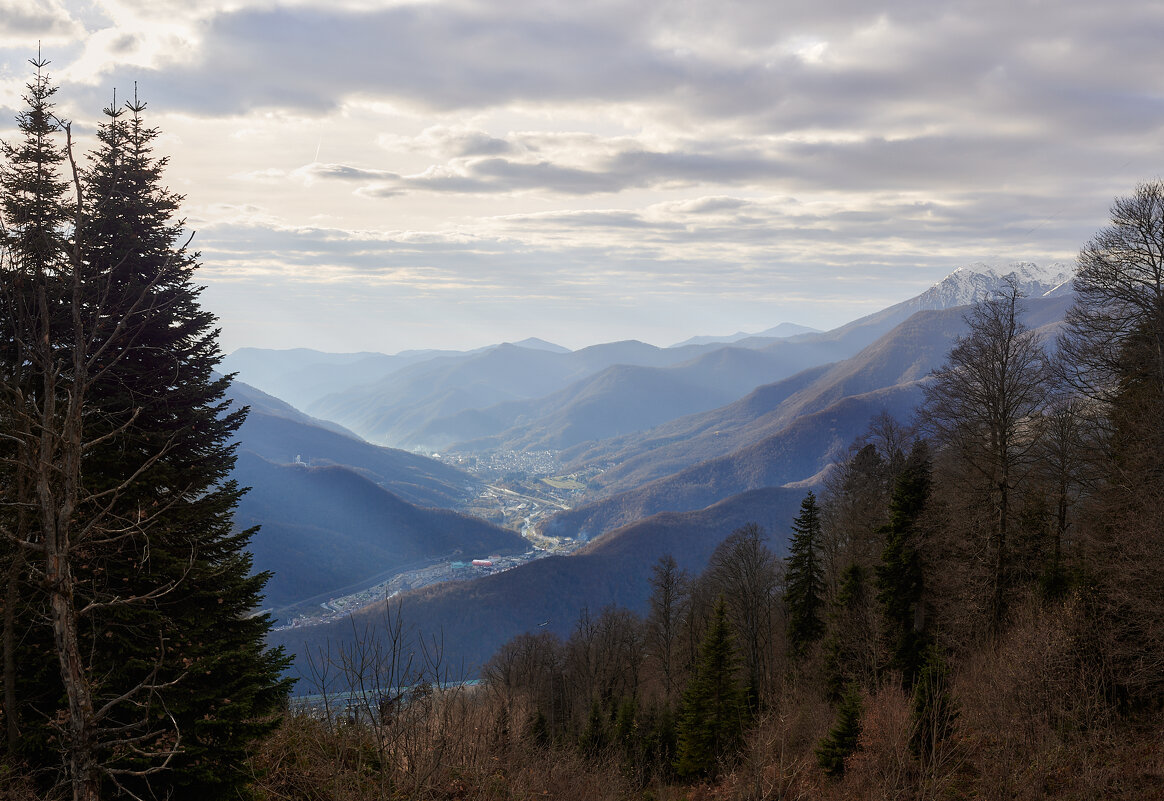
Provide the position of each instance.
(691, 155)
(28, 21)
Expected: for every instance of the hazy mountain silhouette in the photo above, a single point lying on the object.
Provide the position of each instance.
(391, 410)
(627, 399)
(776, 331)
(433, 399)
(541, 344)
(301, 376)
(281, 434)
(619, 400)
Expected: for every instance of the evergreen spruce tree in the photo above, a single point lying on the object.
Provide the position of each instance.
(32, 253)
(658, 740)
(841, 740)
(170, 445)
(593, 739)
(625, 726)
(712, 715)
(537, 729)
(34, 192)
(899, 576)
(174, 676)
(804, 591)
(934, 710)
(845, 657)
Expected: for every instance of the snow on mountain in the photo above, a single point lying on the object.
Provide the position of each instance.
(974, 282)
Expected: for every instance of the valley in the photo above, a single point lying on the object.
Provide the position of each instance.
(518, 491)
(317, 612)
(522, 490)
(570, 472)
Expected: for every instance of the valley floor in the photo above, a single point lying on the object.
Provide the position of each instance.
(422, 575)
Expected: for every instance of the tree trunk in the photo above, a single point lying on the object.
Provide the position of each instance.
(81, 725)
(58, 488)
(81, 740)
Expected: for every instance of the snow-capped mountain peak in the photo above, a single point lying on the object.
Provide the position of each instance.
(975, 282)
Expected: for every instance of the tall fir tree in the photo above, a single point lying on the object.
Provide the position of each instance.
(34, 201)
(714, 707)
(900, 582)
(933, 709)
(175, 659)
(804, 587)
(159, 384)
(850, 648)
(34, 191)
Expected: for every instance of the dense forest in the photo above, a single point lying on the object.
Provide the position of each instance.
(971, 605)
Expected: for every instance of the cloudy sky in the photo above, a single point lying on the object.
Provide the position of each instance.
(371, 175)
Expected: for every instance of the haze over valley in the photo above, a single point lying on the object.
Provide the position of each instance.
(564, 474)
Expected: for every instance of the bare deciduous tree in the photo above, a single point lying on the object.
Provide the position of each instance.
(982, 405)
(665, 620)
(1119, 291)
(745, 572)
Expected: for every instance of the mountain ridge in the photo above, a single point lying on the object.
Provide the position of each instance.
(728, 450)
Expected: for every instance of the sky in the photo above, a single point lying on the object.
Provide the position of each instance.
(382, 176)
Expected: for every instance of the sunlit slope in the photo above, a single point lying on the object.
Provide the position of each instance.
(783, 433)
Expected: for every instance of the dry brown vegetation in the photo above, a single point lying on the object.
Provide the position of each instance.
(1025, 731)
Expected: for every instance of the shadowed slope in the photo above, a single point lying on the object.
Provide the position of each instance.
(325, 528)
(474, 618)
